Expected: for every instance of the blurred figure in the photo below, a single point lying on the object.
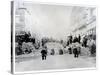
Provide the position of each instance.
(76, 52)
(70, 50)
(92, 46)
(70, 39)
(44, 54)
(60, 52)
(79, 38)
(93, 49)
(52, 52)
(85, 41)
(67, 43)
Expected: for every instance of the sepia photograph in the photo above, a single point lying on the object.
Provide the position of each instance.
(52, 36)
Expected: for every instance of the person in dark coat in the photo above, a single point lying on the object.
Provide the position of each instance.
(70, 50)
(79, 38)
(44, 54)
(85, 41)
(70, 39)
(76, 52)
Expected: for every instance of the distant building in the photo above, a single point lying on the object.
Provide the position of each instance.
(89, 25)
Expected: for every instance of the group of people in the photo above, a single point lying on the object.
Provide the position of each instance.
(75, 50)
(83, 41)
(72, 39)
(86, 41)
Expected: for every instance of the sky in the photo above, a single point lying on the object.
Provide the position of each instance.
(56, 21)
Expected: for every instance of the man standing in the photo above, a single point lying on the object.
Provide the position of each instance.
(79, 38)
(44, 54)
(85, 41)
(76, 52)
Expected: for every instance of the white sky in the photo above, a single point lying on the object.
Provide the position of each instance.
(55, 21)
(50, 21)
